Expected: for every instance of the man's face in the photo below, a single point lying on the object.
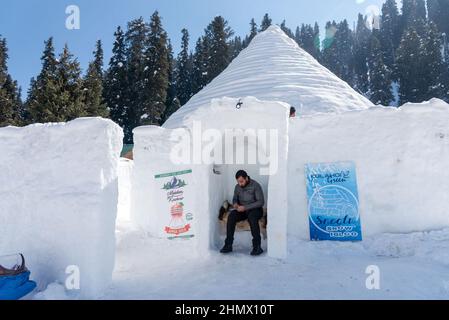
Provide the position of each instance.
(242, 181)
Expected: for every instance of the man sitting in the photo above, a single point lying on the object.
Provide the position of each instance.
(248, 202)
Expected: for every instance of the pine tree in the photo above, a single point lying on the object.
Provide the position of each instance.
(438, 11)
(410, 56)
(172, 102)
(338, 49)
(252, 33)
(156, 73)
(136, 38)
(70, 85)
(361, 53)
(266, 22)
(316, 36)
(412, 12)
(298, 36)
(116, 85)
(287, 30)
(10, 102)
(93, 86)
(329, 54)
(235, 47)
(436, 74)
(308, 38)
(43, 102)
(379, 74)
(390, 32)
(184, 70)
(200, 64)
(218, 33)
(420, 64)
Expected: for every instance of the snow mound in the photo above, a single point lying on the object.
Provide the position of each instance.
(275, 68)
(58, 199)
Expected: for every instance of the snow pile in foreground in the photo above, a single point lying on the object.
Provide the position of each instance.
(401, 156)
(58, 199)
(275, 68)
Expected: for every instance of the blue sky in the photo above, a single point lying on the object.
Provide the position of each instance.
(26, 24)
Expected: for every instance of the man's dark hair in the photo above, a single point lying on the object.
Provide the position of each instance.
(292, 110)
(241, 174)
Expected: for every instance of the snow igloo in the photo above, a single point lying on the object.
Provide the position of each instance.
(184, 170)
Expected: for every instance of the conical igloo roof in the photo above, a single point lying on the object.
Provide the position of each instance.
(274, 67)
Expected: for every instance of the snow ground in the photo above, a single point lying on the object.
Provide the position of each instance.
(412, 266)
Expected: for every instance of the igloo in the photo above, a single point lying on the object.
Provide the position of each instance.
(184, 170)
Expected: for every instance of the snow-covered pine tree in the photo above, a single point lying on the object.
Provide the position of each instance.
(201, 59)
(287, 30)
(307, 38)
(410, 69)
(316, 36)
(235, 47)
(116, 84)
(10, 102)
(252, 33)
(420, 63)
(136, 39)
(70, 93)
(172, 102)
(345, 46)
(329, 54)
(438, 12)
(93, 86)
(436, 74)
(266, 22)
(412, 12)
(43, 102)
(184, 70)
(155, 73)
(390, 32)
(338, 49)
(218, 33)
(379, 74)
(361, 53)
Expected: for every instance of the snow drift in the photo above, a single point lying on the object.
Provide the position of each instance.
(58, 199)
(400, 155)
(275, 68)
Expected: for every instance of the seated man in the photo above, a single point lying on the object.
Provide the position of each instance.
(248, 202)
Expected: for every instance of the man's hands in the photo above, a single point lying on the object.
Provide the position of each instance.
(239, 208)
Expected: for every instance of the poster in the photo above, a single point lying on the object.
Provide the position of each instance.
(175, 188)
(333, 203)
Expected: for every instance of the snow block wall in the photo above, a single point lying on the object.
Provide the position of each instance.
(401, 158)
(58, 199)
(152, 156)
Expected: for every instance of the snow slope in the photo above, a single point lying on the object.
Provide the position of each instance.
(274, 67)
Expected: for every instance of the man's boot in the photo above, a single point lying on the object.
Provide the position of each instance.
(226, 249)
(257, 251)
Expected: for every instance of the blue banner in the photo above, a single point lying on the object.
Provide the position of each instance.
(333, 203)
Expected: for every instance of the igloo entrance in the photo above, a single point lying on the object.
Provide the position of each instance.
(223, 182)
(208, 182)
